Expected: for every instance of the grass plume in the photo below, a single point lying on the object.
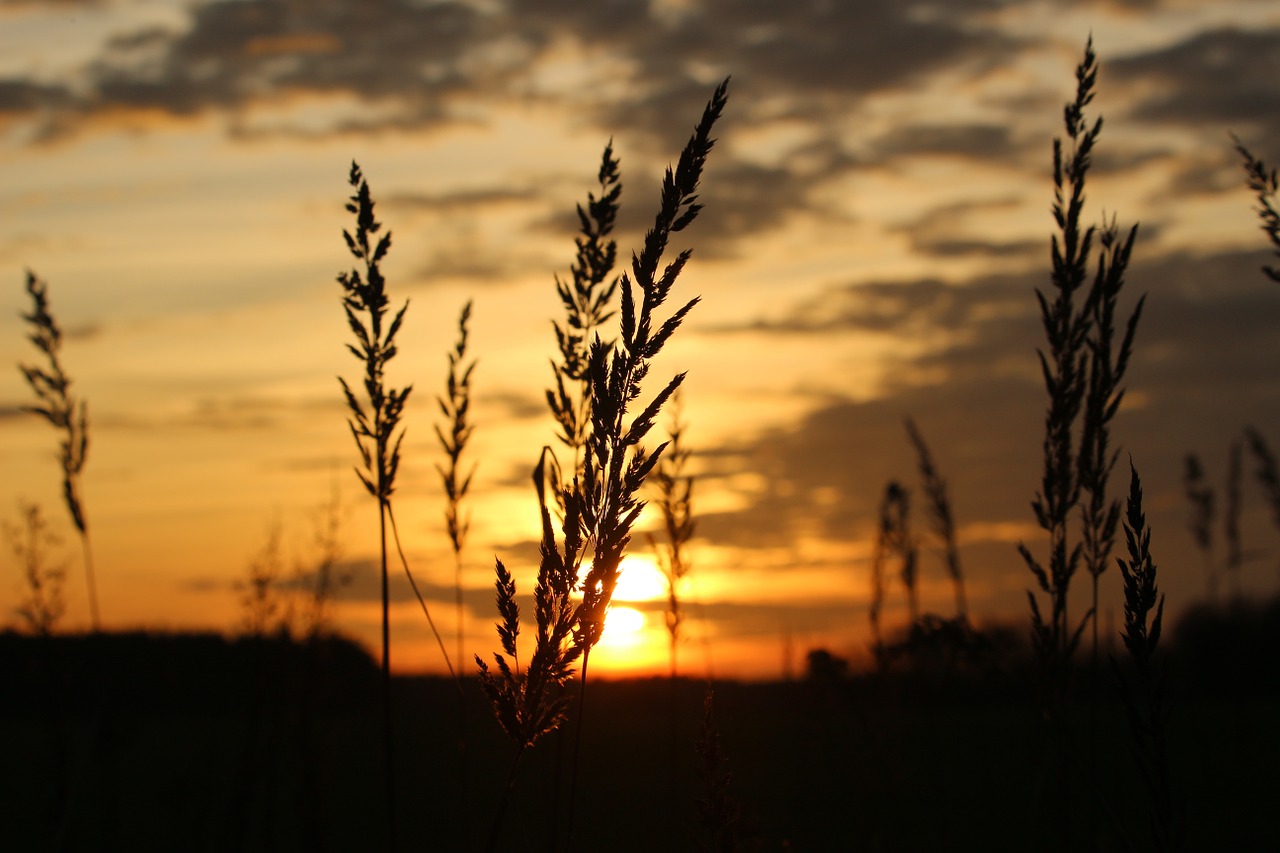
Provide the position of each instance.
(1200, 522)
(586, 299)
(1083, 367)
(68, 414)
(455, 406)
(374, 419)
(893, 538)
(1263, 181)
(43, 602)
(616, 465)
(601, 504)
(935, 489)
(674, 501)
(1146, 702)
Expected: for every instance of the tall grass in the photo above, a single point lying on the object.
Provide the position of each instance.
(674, 502)
(1266, 187)
(260, 599)
(1231, 516)
(1146, 699)
(586, 299)
(601, 506)
(893, 539)
(1082, 366)
(1200, 521)
(455, 406)
(935, 489)
(375, 419)
(68, 414)
(43, 602)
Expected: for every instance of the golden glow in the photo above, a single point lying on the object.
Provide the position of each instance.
(623, 628)
(640, 580)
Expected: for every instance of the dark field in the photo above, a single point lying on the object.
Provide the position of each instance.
(138, 742)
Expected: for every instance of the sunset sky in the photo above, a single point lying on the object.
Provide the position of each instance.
(877, 219)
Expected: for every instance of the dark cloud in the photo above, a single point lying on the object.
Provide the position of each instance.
(22, 96)
(923, 306)
(977, 395)
(246, 412)
(800, 59)
(422, 61)
(1224, 78)
(938, 232)
(515, 405)
(470, 259)
(421, 57)
(988, 142)
(461, 200)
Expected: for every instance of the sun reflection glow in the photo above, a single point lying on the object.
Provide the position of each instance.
(623, 628)
(639, 580)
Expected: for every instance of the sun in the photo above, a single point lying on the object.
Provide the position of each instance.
(624, 628)
(631, 636)
(639, 580)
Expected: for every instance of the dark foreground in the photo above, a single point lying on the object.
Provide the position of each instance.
(136, 742)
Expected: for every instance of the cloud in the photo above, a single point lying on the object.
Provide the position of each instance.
(424, 57)
(976, 393)
(1223, 78)
(421, 65)
(976, 141)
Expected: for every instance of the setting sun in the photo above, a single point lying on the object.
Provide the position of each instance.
(623, 628)
(640, 580)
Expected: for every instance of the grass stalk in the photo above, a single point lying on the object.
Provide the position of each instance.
(602, 503)
(1231, 517)
(68, 414)
(586, 299)
(1266, 188)
(375, 420)
(1083, 367)
(29, 541)
(892, 538)
(1145, 698)
(935, 488)
(675, 505)
(455, 406)
(1200, 522)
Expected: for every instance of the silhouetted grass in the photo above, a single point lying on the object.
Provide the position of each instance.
(1263, 181)
(935, 488)
(1149, 710)
(674, 502)
(43, 603)
(603, 502)
(67, 413)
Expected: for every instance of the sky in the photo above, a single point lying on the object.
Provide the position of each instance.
(877, 220)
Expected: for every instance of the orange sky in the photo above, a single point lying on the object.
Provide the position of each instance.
(877, 217)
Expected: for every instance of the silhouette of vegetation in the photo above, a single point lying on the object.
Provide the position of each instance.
(30, 541)
(264, 741)
(935, 488)
(67, 413)
(893, 539)
(375, 421)
(261, 598)
(1262, 180)
(1200, 522)
(1083, 368)
(602, 505)
(455, 406)
(1149, 710)
(674, 502)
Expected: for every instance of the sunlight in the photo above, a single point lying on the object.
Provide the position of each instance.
(623, 628)
(640, 580)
